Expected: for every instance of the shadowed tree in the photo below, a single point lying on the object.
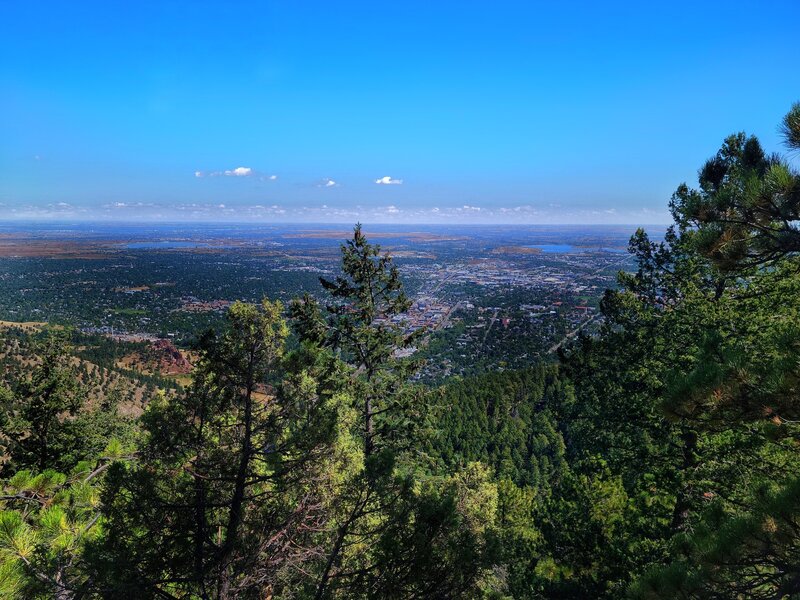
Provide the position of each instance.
(229, 490)
(746, 210)
(694, 380)
(363, 325)
(37, 414)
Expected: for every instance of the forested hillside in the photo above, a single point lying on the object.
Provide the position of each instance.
(657, 459)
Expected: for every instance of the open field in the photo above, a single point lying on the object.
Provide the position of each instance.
(417, 236)
(516, 250)
(27, 248)
(27, 326)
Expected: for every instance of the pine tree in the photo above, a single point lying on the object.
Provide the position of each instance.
(367, 551)
(229, 489)
(37, 415)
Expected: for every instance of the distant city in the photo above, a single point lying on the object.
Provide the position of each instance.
(488, 297)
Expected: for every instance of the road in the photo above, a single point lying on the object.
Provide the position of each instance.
(573, 333)
(446, 320)
(489, 328)
(439, 285)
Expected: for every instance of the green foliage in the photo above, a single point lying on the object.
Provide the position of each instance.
(791, 127)
(232, 479)
(361, 326)
(692, 389)
(389, 530)
(746, 210)
(504, 420)
(46, 521)
(38, 435)
(47, 418)
(438, 540)
(753, 554)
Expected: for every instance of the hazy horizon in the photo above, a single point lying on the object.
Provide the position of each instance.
(21, 223)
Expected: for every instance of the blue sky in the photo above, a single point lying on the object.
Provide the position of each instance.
(435, 111)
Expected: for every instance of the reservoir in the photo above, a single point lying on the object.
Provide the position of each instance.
(569, 248)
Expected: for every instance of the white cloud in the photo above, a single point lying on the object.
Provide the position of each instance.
(129, 205)
(239, 172)
(269, 211)
(388, 181)
(327, 182)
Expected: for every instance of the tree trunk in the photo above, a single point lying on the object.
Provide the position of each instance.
(341, 534)
(368, 427)
(237, 500)
(683, 502)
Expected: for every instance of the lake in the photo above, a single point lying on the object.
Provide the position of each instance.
(569, 248)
